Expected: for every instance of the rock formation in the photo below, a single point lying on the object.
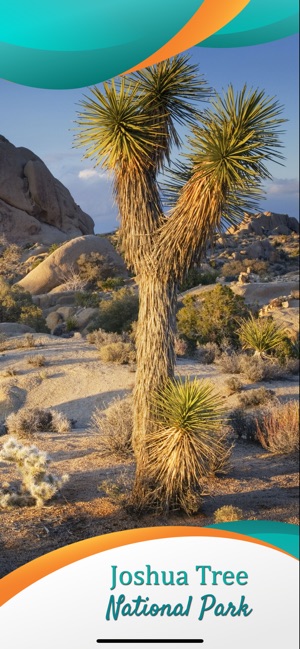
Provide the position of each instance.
(55, 269)
(266, 223)
(35, 206)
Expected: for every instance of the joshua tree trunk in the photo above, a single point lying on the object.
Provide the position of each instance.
(155, 358)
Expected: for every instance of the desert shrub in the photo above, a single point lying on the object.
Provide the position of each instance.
(262, 335)
(119, 313)
(186, 443)
(3, 341)
(37, 361)
(256, 397)
(233, 385)
(53, 247)
(278, 430)
(71, 323)
(32, 316)
(9, 371)
(286, 349)
(72, 280)
(117, 489)
(227, 514)
(10, 256)
(94, 267)
(16, 306)
(37, 484)
(232, 269)
(111, 284)
(34, 420)
(99, 337)
(244, 424)
(28, 341)
(36, 263)
(87, 299)
(119, 352)
(196, 276)
(114, 428)
(181, 346)
(230, 363)
(212, 316)
(207, 353)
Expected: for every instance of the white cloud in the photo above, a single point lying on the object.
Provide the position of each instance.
(283, 186)
(92, 174)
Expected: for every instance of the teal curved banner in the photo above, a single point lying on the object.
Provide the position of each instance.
(261, 21)
(69, 44)
(283, 536)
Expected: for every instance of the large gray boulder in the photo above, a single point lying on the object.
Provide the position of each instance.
(62, 263)
(35, 206)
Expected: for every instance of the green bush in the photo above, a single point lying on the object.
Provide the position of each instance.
(119, 313)
(87, 299)
(212, 316)
(10, 256)
(16, 305)
(94, 267)
(111, 284)
(195, 276)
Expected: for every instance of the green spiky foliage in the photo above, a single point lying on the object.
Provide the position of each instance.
(222, 174)
(187, 443)
(262, 335)
(171, 91)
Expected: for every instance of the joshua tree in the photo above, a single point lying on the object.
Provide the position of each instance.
(129, 128)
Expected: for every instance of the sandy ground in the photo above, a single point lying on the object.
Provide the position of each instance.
(75, 382)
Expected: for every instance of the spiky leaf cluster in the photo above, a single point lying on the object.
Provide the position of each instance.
(261, 334)
(187, 443)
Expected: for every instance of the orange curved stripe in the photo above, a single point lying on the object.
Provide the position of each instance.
(31, 572)
(208, 19)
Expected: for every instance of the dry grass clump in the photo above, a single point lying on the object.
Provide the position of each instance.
(255, 368)
(230, 363)
(99, 337)
(37, 485)
(119, 352)
(207, 353)
(257, 397)
(9, 372)
(28, 341)
(118, 488)
(115, 428)
(37, 361)
(233, 385)
(227, 514)
(3, 341)
(29, 421)
(187, 443)
(278, 430)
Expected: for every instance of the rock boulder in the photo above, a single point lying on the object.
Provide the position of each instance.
(35, 206)
(50, 272)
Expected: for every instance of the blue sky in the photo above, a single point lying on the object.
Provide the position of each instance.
(42, 120)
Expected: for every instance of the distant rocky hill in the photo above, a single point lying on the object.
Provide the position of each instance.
(35, 207)
(266, 223)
